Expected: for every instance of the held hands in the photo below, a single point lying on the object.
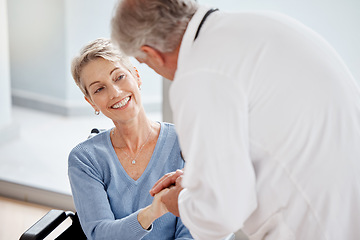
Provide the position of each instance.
(166, 181)
(170, 198)
(152, 212)
(165, 192)
(158, 208)
(170, 186)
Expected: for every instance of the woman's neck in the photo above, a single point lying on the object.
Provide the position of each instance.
(133, 134)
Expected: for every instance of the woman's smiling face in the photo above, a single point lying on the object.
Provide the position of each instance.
(112, 89)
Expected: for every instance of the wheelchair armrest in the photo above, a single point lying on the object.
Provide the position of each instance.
(46, 225)
(95, 131)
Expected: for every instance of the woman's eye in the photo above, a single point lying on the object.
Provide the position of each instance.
(120, 77)
(98, 90)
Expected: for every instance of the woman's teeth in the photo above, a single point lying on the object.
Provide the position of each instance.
(122, 103)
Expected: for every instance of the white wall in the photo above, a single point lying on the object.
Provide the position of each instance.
(7, 128)
(44, 36)
(4, 67)
(87, 20)
(84, 21)
(337, 21)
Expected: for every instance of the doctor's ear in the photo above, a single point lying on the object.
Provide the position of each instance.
(153, 55)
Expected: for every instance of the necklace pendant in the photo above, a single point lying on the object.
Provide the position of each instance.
(133, 162)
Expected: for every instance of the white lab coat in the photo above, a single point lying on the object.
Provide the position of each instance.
(268, 118)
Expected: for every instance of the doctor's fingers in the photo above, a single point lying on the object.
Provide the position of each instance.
(166, 181)
(179, 180)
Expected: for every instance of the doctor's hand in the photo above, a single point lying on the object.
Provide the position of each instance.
(170, 197)
(166, 181)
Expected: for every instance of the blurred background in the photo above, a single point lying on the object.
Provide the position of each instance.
(43, 113)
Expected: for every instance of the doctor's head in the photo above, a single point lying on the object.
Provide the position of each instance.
(151, 31)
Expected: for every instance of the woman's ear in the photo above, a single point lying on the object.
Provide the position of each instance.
(91, 103)
(136, 72)
(138, 78)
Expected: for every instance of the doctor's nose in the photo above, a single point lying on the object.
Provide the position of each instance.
(115, 92)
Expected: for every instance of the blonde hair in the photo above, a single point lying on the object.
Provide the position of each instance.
(156, 23)
(99, 48)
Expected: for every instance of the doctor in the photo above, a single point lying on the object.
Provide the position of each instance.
(268, 118)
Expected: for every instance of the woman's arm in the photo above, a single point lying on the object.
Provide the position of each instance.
(96, 217)
(182, 233)
(92, 204)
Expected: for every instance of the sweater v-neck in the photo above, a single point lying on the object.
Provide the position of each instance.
(149, 165)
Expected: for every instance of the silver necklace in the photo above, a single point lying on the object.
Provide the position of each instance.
(133, 161)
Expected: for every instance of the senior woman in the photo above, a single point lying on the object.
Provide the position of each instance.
(111, 173)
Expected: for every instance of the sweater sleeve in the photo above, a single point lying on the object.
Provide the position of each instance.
(181, 233)
(92, 205)
(219, 179)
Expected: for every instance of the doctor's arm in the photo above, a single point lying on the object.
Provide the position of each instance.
(219, 181)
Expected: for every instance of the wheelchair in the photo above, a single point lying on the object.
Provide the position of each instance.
(50, 221)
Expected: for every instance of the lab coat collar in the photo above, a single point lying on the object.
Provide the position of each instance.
(189, 35)
(190, 32)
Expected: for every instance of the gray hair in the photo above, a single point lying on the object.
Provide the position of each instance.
(160, 24)
(99, 48)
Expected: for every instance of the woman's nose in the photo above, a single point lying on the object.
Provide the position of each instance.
(115, 92)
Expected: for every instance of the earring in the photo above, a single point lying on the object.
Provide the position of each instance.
(140, 87)
(97, 112)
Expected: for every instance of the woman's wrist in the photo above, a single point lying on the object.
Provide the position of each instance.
(145, 217)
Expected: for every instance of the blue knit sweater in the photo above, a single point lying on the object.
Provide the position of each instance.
(108, 200)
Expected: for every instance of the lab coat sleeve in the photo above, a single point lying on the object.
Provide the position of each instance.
(211, 118)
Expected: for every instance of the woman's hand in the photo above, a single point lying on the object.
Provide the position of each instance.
(158, 207)
(152, 212)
